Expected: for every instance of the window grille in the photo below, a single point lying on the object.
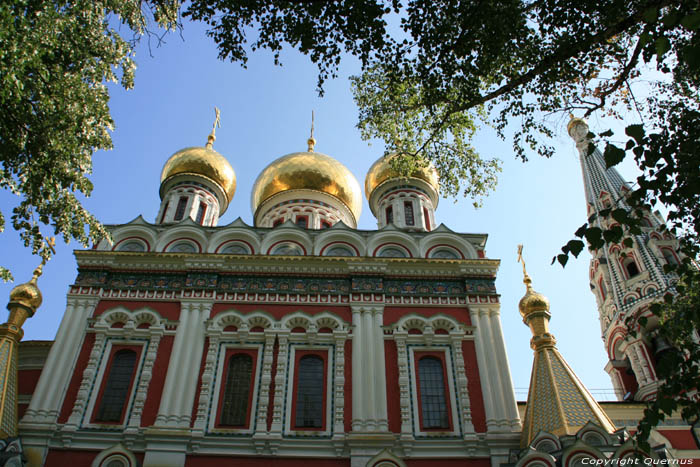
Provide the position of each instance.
(309, 406)
(408, 212)
(117, 386)
(432, 393)
(180, 210)
(236, 392)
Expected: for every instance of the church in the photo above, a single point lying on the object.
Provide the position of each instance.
(303, 340)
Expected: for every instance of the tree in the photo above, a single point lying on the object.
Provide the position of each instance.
(55, 58)
(432, 70)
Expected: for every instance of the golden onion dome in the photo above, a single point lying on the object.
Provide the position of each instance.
(204, 162)
(532, 302)
(308, 171)
(27, 295)
(381, 171)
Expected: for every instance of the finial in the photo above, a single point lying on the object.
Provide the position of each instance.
(311, 141)
(526, 278)
(217, 122)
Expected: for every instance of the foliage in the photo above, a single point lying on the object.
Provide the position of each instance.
(55, 58)
(434, 69)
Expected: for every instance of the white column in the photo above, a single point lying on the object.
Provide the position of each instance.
(505, 380)
(280, 383)
(58, 369)
(358, 413)
(174, 368)
(368, 377)
(380, 371)
(492, 373)
(482, 358)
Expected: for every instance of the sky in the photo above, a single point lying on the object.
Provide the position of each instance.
(265, 114)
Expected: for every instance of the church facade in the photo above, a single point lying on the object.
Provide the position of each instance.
(299, 340)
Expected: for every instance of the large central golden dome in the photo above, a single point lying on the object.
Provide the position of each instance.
(204, 162)
(308, 171)
(381, 171)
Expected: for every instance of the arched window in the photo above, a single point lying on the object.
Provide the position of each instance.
(182, 247)
(309, 402)
(444, 253)
(392, 252)
(431, 380)
(390, 215)
(302, 221)
(117, 385)
(669, 257)
(631, 267)
(237, 390)
(180, 209)
(132, 245)
(288, 249)
(339, 250)
(408, 212)
(235, 249)
(426, 219)
(201, 212)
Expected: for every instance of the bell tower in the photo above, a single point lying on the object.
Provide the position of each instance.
(625, 280)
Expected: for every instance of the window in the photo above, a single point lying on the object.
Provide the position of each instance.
(132, 245)
(200, 213)
(288, 249)
(165, 210)
(183, 247)
(426, 219)
(431, 390)
(180, 210)
(302, 221)
(237, 391)
(309, 407)
(277, 222)
(408, 212)
(603, 290)
(325, 225)
(116, 388)
(444, 253)
(631, 267)
(235, 249)
(339, 250)
(390, 215)
(669, 257)
(392, 252)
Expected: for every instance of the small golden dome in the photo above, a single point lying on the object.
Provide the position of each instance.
(308, 171)
(531, 302)
(381, 171)
(27, 294)
(574, 121)
(204, 162)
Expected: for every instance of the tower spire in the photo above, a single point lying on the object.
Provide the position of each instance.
(557, 402)
(217, 122)
(311, 142)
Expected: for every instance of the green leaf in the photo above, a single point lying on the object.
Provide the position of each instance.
(562, 259)
(575, 246)
(692, 21)
(620, 215)
(662, 46)
(606, 134)
(613, 155)
(627, 243)
(636, 132)
(650, 15)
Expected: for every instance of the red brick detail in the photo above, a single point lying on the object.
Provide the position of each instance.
(199, 381)
(169, 310)
(476, 398)
(155, 387)
(72, 392)
(393, 314)
(70, 457)
(392, 386)
(26, 381)
(347, 388)
(279, 311)
(224, 461)
(679, 439)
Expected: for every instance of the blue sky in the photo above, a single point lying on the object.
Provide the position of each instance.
(265, 113)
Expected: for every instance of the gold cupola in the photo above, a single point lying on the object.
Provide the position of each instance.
(407, 202)
(196, 182)
(306, 177)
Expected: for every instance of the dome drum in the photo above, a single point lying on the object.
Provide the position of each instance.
(306, 208)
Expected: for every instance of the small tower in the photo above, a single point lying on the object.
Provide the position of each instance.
(557, 402)
(310, 189)
(406, 202)
(625, 280)
(198, 183)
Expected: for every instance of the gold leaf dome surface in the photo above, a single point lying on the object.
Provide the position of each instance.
(531, 302)
(381, 171)
(27, 294)
(204, 162)
(308, 171)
